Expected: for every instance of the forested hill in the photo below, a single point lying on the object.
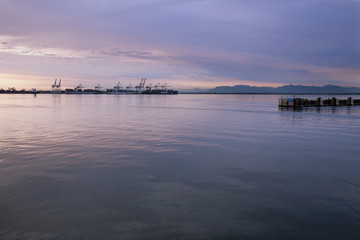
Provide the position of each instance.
(327, 89)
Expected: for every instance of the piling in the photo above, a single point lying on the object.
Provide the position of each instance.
(349, 101)
(318, 102)
(333, 102)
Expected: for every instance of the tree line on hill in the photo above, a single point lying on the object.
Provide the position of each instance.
(286, 89)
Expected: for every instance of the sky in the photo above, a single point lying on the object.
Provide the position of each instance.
(187, 44)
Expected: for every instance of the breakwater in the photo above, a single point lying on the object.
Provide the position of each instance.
(318, 102)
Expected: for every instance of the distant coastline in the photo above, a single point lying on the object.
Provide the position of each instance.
(286, 89)
(238, 89)
(252, 93)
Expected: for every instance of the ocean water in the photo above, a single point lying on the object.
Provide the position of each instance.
(177, 167)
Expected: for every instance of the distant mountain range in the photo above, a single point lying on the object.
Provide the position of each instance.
(286, 89)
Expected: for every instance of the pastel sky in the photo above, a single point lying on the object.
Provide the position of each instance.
(187, 44)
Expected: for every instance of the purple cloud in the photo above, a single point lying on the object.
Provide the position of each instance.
(276, 41)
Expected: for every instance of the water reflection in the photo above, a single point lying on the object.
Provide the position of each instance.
(186, 166)
(330, 109)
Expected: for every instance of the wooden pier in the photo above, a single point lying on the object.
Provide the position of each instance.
(304, 102)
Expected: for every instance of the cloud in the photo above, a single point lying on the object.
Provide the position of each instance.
(130, 54)
(45, 52)
(274, 42)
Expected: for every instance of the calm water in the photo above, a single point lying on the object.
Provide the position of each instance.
(177, 167)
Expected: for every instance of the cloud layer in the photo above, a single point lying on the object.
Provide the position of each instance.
(200, 43)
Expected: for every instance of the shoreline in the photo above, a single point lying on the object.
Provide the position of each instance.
(202, 93)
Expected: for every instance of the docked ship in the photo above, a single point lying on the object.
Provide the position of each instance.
(79, 89)
(119, 90)
(158, 89)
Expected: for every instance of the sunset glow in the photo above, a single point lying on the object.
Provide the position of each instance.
(192, 44)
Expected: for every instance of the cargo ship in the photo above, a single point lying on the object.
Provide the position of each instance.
(158, 89)
(119, 90)
(79, 89)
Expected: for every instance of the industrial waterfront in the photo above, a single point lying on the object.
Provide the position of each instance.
(140, 88)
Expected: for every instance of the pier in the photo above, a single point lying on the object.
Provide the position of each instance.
(304, 102)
